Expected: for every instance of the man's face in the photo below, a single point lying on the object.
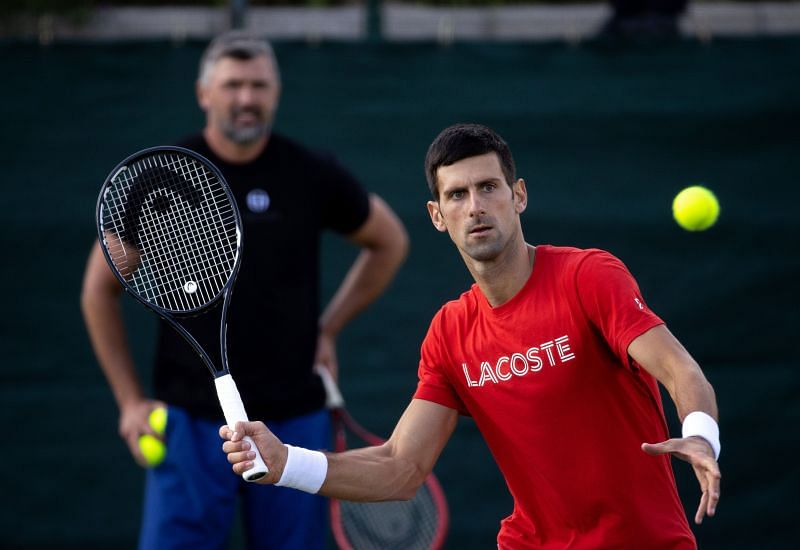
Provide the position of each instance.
(240, 98)
(476, 206)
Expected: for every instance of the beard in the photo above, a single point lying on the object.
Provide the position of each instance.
(487, 248)
(484, 251)
(244, 135)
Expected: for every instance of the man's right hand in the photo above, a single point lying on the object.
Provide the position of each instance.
(134, 422)
(240, 455)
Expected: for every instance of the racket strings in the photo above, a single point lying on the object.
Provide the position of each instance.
(416, 524)
(183, 232)
(198, 266)
(126, 260)
(407, 525)
(176, 238)
(148, 230)
(216, 211)
(167, 251)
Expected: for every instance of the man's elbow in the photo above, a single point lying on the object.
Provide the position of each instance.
(88, 297)
(387, 230)
(98, 294)
(400, 245)
(414, 480)
(394, 237)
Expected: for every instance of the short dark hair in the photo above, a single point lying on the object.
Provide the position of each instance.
(237, 44)
(462, 141)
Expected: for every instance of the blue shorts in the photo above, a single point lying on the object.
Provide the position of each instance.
(191, 499)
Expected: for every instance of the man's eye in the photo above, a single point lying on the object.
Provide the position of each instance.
(489, 187)
(457, 195)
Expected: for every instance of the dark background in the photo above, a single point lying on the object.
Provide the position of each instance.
(605, 135)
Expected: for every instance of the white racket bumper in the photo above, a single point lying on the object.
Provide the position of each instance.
(233, 409)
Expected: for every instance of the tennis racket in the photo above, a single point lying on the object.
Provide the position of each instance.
(171, 232)
(418, 524)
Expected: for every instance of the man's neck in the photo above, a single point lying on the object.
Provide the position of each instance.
(234, 153)
(503, 278)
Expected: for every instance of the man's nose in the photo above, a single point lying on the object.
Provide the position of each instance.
(477, 206)
(246, 96)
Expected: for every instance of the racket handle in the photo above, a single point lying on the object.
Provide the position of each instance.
(334, 399)
(233, 409)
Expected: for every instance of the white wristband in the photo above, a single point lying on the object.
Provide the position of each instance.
(304, 470)
(703, 425)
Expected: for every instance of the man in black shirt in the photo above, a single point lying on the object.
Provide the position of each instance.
(288, 196)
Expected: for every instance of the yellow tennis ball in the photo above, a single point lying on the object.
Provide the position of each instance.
(153, 450)
(695, 208)
(158, 420)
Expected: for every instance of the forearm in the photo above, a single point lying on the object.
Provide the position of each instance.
(371, 474)
(391, 471)
(663, 356)
(693, 397)
(396, 469)
(369, 275)
(384, 245)
(691, 391)
(103, 318)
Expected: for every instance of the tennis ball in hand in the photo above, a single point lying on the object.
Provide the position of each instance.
(158, 420)
(152, 448)
(695, 208)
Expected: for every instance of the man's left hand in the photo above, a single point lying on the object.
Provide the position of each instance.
(697, 452)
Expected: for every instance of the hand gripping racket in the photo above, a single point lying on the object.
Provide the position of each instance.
(171, 232)
(418, 524)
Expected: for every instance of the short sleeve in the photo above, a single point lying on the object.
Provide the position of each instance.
(345, 204)
(613, 302)
(434, 385)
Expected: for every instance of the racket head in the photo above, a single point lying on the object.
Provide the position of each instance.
(417, 524)
(170, 229)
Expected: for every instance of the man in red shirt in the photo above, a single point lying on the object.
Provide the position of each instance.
(557, 358)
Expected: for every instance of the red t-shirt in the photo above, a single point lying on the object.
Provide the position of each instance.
(563, 408)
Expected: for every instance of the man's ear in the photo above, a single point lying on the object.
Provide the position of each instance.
(520, 196)
(436, 216)
(200, 91)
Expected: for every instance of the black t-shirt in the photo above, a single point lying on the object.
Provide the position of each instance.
(287, 197)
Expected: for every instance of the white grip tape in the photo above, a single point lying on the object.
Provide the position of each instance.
(333, 397)
(233, 409)
(304, 470)
(702, 425)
